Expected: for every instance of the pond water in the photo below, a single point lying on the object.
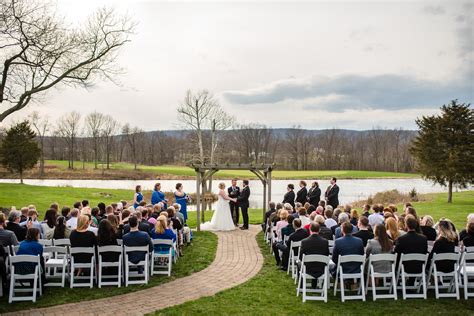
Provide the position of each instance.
(350, 190)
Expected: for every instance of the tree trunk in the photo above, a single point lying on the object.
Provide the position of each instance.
(42, 158)
(450, 191)
(21, 176)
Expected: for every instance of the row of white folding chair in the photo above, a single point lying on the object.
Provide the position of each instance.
(165, 257)
(466, 271)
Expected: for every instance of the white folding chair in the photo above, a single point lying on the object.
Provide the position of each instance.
(46, 242)
(419, 278)
(341, 276)
(372, 274)
(439, 277)
(86, 265)
(304, 278)
(331, 246)
(62, 242)
(467, 272)
(17, 279)
(109, 279)
(273, 237)
(294, 245)
(430, 245)
(166, 257)
(58, 263)
(134, 276)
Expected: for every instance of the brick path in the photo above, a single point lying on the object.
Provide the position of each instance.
(238, 259)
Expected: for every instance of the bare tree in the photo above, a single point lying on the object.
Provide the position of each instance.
(110, 128)
(41, 125)
(94, 123)
(132, 136)
(69, 129)
(39, 52)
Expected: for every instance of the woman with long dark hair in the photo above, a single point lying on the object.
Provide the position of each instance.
(106, 236)
(60, 231)
(381, 243)
(49, 221)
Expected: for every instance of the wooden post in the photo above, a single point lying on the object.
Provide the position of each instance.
(203, 186)
(264, 197)
(269, 182)
(198, 199)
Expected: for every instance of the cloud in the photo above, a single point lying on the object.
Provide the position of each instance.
(335, 94)
(434, 10)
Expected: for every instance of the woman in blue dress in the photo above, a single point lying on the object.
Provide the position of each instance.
(138, 197)
(182, 200)
(157, 196)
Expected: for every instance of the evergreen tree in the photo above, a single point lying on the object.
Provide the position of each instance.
(444, 147)
(19, 151)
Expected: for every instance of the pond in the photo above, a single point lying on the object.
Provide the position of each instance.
(350, 190)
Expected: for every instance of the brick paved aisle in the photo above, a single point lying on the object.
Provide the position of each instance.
(238, 259)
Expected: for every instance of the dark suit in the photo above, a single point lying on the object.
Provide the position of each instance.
(442, 245)
(243, 201)
(364, 235)
(301, 195)
(411, 242)
(20, 231)
(314, 196)
(332, 195)
(297, 235)
(347, 245)
(234, 206)
(314, 245)
(325, 232)
(289, 198)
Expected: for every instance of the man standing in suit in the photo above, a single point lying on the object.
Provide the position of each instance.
(234, 193)
(332, 194)
(411, 242)
(302, 193)
(347, 245)
(243, 201)
(314, 245)
(314, 194)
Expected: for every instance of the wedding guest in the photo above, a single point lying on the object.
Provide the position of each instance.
(299, 233)
(95, 216)
(182, 199)
(366, 210)
(91, 228)
(314, 245)
(324, 231)
(364, 233)
(283, 222)
(463, 233)
(302, 193)
(343, 218)
(445, 243)
(33, 218)
(347, 245)
(106, 236)
(158, 196)
(31, 246)
(117, 224)
(7, 237)
(314, 194)
(377, 216)
(329, 220)
(60, 230)
(143, 226)
(411, 242)
(468, 240)
(102, 211)
(427, 229)
(14, 226)
(82, 237)
(268, 213)
(381, 243)
(178, 214)
(289, 196)
(136, 238)
(65, 212)
(138, 196)
(72, 222)
(354, 217)
(24, 214)
(392, 229)
(303, 216)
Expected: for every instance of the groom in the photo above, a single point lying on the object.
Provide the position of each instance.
(243, 201)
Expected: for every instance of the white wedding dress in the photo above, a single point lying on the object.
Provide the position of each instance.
(222, 218)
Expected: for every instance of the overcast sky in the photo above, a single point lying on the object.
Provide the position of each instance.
(353, 65)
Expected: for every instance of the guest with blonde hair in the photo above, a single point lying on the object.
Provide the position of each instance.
(392, 229)
(162, 231)
(427, 223)
(82, 237)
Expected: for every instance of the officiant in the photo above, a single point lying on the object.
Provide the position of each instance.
(234, 192)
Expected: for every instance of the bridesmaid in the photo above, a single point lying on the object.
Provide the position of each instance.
(181, 199)
(158, 196)
(138, 197)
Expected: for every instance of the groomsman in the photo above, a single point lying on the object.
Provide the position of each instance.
(302, 193)
(314, 194)
(332, 194)
(234, 192)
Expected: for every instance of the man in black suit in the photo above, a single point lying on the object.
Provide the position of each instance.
(299, 234)
(14, 226)
(268, 214)
(302, 193)
(332, 194)
(243, 201)
(314, 245)
(411, 242)
(290, 195)
(364, 233)
(314, 194)
(234, 192)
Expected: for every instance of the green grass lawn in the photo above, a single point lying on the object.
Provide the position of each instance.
(196, 257)
(277, 174)
(273, 292)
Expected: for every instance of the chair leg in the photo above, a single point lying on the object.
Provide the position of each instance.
(12, 286)
(362, 284)
(374, 291)
(304, 288)
(456, 284)
(35, 285)
(404, 290)
(342, 287)
(436, 285)
(424, 285)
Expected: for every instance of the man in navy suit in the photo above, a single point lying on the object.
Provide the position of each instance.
(347, 245)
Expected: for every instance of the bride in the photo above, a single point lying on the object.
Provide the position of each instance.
(222, 218)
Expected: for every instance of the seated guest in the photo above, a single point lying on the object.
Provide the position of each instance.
(178, 214)
(14, 225)
(376, 217)
(24, 214)
(33, 218)
(49, 222)
(143, 226)
(65, 212)
(411, 242)
(329, 221)
(268, 213)
(468, 240)
(324, 231)
(347, 245)
(91, 228)
(102, 211)
(162, 231)
(343, 217)
(283, 222)
(117, 224)
(31, 246)
(463, 233)
(354, 217)
(106, 236)
(136, 238)
(364, 233)
(410, 210)
(427, 229)
(381, 243)
(288, 229)
(95, 216)
(366, 210)
(175, 222)
(72, 222)
(7, 237)
(392, 229)
(302, 215)
(82, 237)
(3, 269)
(445, 243)
(314, 245)
(60, 230)
(299, 233)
